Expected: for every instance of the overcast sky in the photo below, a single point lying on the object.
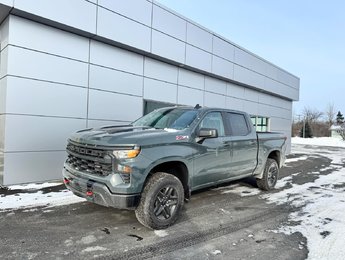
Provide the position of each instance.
(304, 37)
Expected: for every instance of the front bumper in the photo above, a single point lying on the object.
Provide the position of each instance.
(98, 193)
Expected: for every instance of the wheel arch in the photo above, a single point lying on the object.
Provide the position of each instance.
(275, 155)
(175, 167)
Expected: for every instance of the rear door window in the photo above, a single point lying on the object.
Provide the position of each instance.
(238, 124)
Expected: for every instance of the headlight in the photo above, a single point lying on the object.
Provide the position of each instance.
(127, 153)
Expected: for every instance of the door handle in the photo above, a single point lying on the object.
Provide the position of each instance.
(226, 144)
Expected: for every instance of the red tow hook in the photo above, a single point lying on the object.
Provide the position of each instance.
(66, 181)
(89, 185)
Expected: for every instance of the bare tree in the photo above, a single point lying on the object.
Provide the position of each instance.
(330, 115)
(311, 115)
(311, 118)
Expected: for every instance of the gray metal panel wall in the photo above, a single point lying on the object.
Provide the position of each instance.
(154, 29)
(53, 82)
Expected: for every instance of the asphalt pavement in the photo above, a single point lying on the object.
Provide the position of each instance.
(217, 223)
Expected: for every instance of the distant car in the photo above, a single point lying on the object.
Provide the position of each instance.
(153, 164)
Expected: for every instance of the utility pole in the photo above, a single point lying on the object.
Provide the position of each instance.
(304, 127)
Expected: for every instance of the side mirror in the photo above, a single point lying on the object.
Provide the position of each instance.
(208, 133)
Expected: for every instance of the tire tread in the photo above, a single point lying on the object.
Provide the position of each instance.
(263, 183)
(154, 182)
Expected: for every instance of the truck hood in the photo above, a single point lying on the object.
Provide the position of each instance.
(127, 134)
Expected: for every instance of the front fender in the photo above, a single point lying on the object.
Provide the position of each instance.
(166, 160)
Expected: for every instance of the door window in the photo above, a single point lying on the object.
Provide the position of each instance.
(213, 120)
(238, 124)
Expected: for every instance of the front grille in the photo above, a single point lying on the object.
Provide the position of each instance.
(89, 160)
(97, 153)
(89, 166)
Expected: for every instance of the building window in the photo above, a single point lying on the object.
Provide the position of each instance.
(261, 124)
(150, 105)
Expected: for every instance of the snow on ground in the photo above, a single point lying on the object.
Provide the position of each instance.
(238, 189)
(31, 197)
(319, 141)
(301, 158)
(161, 233)
(34, 186)
(322, 203)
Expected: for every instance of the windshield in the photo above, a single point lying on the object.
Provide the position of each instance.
(174, 118)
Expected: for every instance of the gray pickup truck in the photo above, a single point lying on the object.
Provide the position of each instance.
(153, 164)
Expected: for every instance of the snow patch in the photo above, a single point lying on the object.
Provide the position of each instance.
(69, 242)
(30, 210)
(238, 189)
(225, 211)
(93, 249)
(283, 182)
(87, 240)
(320, 205)
(161, 233)
(319, 141)
(171, 130)
(34, 186)
(301, 158)
(38, 199)
(216, 252)
(48, 211)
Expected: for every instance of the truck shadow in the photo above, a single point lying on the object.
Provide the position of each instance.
(249, 182)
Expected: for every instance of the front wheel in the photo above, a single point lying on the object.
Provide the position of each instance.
(161, 201)
(270, 176)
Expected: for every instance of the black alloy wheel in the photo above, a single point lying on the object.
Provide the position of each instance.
(165, 203)
(270, 175)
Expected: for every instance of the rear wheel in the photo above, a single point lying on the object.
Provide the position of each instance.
(161, 201)
(270, 176)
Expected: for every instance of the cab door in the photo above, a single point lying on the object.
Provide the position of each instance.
(243, 144)
(211, 163)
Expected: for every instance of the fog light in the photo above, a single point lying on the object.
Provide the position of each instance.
(123, 168)
(116, 179)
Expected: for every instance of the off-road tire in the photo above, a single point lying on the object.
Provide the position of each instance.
(270, 175)
(161, 201)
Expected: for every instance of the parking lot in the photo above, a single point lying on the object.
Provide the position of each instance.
(236, 221)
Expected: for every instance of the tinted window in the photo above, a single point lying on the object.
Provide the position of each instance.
(175, 118)
(213, 120)
(238, 124)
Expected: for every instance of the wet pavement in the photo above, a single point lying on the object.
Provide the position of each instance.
(232, 221)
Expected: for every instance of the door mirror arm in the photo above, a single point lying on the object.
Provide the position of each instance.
(205, 133)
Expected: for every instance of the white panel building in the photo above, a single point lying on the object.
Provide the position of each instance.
(71, 64)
